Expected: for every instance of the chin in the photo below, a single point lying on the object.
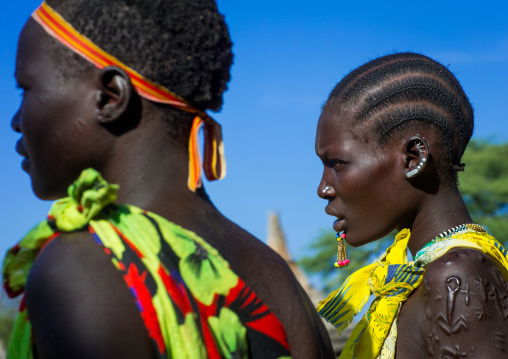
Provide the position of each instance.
(47, 193)
(356, 244)
(354, 241)
(360, 240)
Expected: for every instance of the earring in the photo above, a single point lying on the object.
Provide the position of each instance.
(342, 260)
(423, 152)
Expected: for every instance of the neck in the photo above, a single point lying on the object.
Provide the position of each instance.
(152, 174)
(439, 213)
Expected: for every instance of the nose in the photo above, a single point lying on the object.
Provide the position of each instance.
(325, 190)
(15, 122)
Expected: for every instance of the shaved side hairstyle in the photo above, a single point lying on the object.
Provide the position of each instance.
(183, 45)
(405, 91)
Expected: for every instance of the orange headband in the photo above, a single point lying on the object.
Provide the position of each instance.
(214, 162)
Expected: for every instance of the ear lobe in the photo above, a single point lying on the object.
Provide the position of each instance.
(417, 156)
(115, 94)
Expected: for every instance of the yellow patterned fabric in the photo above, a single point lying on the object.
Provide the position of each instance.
(392, 279)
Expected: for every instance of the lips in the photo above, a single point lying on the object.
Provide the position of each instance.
(339, 225)
(20, 148)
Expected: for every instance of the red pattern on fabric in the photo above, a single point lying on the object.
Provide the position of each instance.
(121, 266)
(53, 236)
(22, 305)
(211, 346)
(11, 293)
(178, 295)
(14, 250)
(136, 282)
(129, 243)
(269, 325)
(210, 310)
(7, 286)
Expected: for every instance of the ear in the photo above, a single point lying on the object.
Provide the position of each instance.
(417, 154)
(115, 93)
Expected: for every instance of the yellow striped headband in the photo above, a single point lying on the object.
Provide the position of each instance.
(214, 163)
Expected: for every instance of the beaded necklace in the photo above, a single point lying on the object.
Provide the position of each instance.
(463, 228)
(468, 226)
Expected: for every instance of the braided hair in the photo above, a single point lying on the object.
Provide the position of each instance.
(405, 91)
(183, 45)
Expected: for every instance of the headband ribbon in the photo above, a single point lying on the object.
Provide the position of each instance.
(214, 163)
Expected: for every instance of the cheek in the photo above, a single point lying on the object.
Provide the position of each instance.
(44, 143)
(34, 113)
(369, 193)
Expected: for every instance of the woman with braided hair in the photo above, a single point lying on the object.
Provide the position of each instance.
(134, 260)
(391, 136)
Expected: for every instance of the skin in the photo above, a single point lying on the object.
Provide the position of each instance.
(368, 191)
(77, 301)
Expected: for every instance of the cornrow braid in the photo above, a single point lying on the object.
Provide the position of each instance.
(408, 89)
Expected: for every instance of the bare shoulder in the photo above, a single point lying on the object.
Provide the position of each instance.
(466, 306)
(79, 305)
(273, 281)
(249, 257)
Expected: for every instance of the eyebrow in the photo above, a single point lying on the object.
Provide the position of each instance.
(324, 154)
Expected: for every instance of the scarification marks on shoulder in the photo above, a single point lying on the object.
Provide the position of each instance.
(501, 341)
(448, 324)
(432, 342)
(482, 313)
(484, 284)
(452, 353)
(496, 293)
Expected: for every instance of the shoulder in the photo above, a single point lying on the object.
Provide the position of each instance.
(466, 305)
(465, 266)
(270, 277)
(79, 305)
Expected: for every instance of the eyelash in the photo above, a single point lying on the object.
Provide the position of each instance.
(334, 163)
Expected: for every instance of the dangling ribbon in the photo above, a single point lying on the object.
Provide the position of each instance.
(214, 152)
(214, 161)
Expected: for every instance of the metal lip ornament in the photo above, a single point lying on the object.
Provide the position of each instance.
(342, 260)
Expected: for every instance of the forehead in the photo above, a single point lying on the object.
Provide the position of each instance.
(337, 131)
(33, 60)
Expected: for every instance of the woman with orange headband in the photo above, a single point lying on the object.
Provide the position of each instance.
(133, 260)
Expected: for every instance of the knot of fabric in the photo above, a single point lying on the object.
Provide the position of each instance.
(394, 276)
(391, 279)
(88, 195)
(396, 281)
(343, 304)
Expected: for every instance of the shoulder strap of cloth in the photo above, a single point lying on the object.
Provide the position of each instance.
(392, 279)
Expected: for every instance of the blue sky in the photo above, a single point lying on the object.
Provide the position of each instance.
(288, 57)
